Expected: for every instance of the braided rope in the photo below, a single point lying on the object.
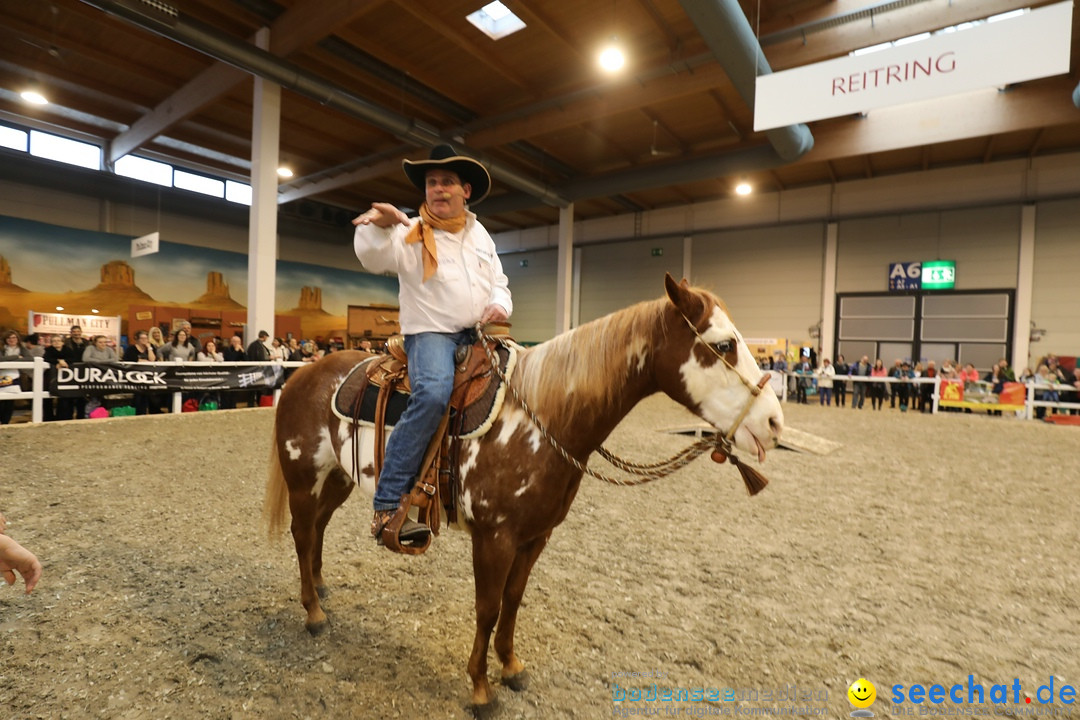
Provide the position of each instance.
(645, 473)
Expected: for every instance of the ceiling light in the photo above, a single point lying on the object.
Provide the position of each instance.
(34, 97)
(59, 308)
(284, 172)
(612, 58)
(94, 310)
(743, 188)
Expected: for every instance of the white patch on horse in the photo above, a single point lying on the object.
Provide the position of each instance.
(500, 520)
(466, 506)
(513, 419)
(293, 448)
(637, 354)
(472, 451)
(324, 461)
(365, 481)
(524, 487)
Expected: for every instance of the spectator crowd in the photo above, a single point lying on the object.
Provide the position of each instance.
(153, 345)
(904, 384)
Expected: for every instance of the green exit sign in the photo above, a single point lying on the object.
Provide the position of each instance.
(938, 274)
(657, 252)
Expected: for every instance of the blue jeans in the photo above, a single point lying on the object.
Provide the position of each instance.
(431, 375)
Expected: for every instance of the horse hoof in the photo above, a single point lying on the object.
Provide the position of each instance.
(317, 629)
(518, 682)
(322, 591)
(487, 711)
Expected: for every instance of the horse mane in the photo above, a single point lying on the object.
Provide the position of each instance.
(575, 370)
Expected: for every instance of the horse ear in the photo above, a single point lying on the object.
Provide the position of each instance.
(682, 297)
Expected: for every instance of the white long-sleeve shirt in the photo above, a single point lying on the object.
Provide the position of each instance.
(468, 279)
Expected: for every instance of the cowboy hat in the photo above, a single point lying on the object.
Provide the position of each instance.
(444, 157)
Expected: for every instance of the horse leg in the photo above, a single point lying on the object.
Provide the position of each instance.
(305, 537)
(513, 670)
(491, 565)
(337, 489)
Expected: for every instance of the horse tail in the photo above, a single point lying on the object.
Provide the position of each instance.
(276, 501)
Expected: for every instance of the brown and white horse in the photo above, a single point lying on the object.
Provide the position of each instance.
(514, 486)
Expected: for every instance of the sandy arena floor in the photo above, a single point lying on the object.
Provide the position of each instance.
(924, 550)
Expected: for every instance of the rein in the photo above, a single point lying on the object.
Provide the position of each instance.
(722, 447)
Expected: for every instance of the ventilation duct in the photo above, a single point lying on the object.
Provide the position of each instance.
(727, 33)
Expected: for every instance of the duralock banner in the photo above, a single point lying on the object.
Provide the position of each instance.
(106, 378)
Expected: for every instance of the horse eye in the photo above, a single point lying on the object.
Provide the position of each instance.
(724, 346)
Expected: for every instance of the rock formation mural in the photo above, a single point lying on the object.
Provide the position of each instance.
(31, 279)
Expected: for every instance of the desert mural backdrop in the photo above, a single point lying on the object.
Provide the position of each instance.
(43, 266)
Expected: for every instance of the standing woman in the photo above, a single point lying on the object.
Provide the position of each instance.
(156, 340)
(210, 353)
(182, 349)
(877, 389)
(11, 350)
(54, 356)
(99, 351)
(278, 351)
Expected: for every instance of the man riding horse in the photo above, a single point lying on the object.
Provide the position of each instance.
(450, 278)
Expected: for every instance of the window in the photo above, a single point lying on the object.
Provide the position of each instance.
(150, 171)
(496, 21)
(65, 150)
(198, 183)
(238, 192)
(12, 138)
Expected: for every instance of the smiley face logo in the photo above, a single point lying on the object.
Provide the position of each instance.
(862, 693)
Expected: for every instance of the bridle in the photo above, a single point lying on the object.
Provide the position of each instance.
(725, 441)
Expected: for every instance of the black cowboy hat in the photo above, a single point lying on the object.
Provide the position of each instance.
(444, 157)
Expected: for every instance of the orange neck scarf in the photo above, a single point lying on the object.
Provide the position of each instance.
(422, 232)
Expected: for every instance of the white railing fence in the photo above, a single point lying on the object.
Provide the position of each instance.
(1030, 402)
(39, 391)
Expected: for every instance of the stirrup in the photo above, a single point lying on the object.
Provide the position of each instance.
(394, 530)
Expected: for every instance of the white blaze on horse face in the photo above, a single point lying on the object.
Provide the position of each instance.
(721, 395)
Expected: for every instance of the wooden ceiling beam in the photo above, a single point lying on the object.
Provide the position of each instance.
(658, 123)
(442, 26)
(369, 172)
(1034, 149)
(605, 104)
(535, 18)
(670, 38)
(300, 26)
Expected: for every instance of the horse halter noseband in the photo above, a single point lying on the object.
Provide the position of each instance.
(726, 440)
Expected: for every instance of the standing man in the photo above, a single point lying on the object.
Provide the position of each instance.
(858, 389)
(450, 278)
(258, 351)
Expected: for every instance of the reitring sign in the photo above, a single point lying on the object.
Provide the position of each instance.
(1033, 45)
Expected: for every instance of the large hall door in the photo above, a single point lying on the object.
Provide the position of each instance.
(973, 327)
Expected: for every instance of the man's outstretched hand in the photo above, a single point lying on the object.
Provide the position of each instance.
(382, 215)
